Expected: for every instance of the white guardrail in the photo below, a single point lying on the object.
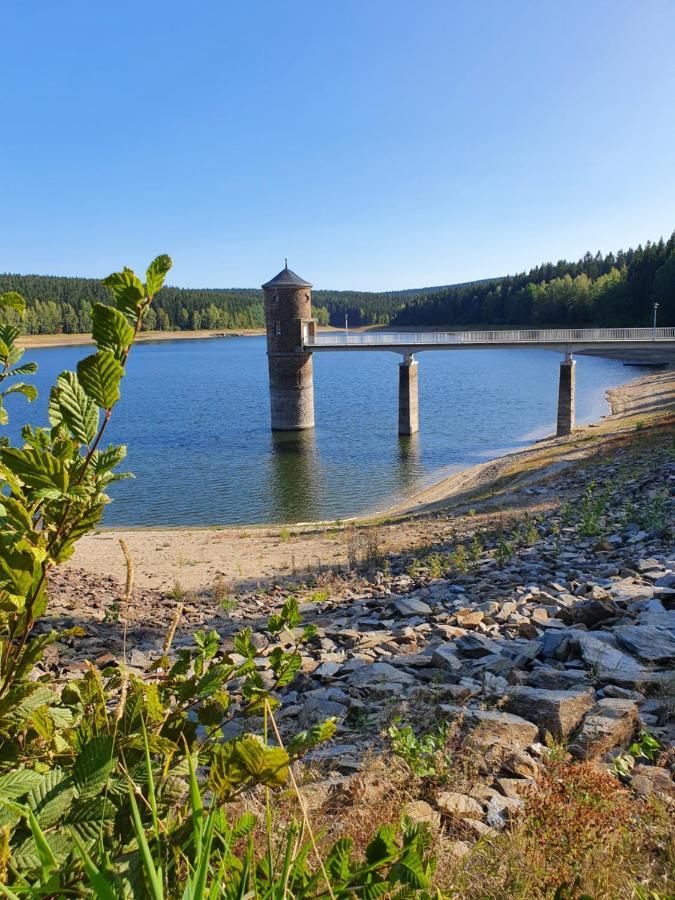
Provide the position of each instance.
(522, 336)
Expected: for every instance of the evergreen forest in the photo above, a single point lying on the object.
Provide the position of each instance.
(616, 289)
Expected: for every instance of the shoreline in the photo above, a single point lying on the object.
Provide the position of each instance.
(192, 559)
(44, 341)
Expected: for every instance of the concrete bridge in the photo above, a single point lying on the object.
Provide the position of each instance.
(292, 338)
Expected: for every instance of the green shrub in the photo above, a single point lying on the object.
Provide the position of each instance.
(117, 785)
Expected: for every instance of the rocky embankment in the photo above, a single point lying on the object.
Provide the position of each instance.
(549, 634)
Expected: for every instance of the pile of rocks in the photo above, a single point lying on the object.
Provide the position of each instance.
(571, 639)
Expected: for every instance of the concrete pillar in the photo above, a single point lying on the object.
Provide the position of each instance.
(408, 404)
(566, 397)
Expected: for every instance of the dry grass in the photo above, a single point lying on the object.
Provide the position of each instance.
(581, 835)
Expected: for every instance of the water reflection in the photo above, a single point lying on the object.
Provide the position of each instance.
(295, 468)
(409, 462)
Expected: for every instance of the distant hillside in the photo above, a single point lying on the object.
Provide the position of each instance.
(616, 289)
(59, 304)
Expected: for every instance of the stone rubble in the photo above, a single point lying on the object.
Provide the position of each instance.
(570, 639)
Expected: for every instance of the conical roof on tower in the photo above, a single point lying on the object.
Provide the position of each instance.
(287, 278)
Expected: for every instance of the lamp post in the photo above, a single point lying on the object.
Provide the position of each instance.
(346, 326)
(656, 306)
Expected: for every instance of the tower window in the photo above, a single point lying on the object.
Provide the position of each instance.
(276, 297)
(277, 328)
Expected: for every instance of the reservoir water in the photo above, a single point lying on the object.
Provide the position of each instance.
(194, 414)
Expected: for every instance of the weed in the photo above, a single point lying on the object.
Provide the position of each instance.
(176, 591)
(284, 535)
(425, 756)
(504, 552)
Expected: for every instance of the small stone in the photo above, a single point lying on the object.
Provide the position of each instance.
(646, 780)
(469, 617)
(501, 810)
(410, 606)
(421, 811)
(609, 724)
(459, 805)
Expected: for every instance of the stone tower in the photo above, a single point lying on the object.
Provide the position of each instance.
(288, 318)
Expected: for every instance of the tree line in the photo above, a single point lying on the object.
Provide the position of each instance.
(615, 289)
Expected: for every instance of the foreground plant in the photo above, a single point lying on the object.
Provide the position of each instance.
(116, 785)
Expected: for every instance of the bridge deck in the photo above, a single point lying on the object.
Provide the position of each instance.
(564, 339)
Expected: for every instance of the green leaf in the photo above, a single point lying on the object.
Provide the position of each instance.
(29, 368)
(100, 376)
(111, 329)
(69, 403)
(306, 740)
(93, 766)
(13, 300)
(285, 666)
(44, 851)
(243, 645)
(156, 273)
(154, 876)
(37, 469)
(127, 290)
(52, 797)
(265, 764)
(28, 390)
(8, 334)
(15, 784)
(98, 881)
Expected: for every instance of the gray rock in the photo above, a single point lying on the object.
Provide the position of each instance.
(378, 673)
(557, 712)
(445, 657)
(609, 724)
(501, 810)
(608, 663)
(411, 606)
(647, 642)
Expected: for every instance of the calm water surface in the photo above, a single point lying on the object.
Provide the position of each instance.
(194, 414)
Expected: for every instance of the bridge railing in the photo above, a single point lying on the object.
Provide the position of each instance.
(520, 336)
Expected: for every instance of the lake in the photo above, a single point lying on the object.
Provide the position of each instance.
(194, 414)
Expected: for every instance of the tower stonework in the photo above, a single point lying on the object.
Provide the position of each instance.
(288, 319)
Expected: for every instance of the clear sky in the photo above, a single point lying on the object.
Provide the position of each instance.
(378, 144)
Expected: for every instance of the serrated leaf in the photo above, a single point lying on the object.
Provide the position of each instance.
(13, 300)
(100, 375)
(111, 329)
(29, 368)
(306, 740)
(266, 765)
(93, 765)
(52, 797)
(16, 784)
(156, 273)
(28, 390)
(37, 469)
(127, 290)
(69, 403)
(242, 643)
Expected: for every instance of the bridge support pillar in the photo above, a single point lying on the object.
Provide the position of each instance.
(408, 405)
(566, 397)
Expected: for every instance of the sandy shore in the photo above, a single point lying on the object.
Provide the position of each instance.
(38, 341)
(192, 559)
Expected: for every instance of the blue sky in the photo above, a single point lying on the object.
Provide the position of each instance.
(378, 144)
